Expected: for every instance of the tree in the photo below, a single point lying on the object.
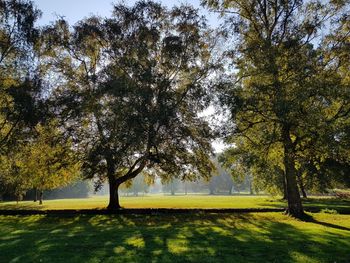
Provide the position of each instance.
(19, 83)
(45, 162)
(131, 89)
(263, 173)
(13, 179)
(281, 96)
(50, 161)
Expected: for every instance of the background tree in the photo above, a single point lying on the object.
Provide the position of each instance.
(131, 90)
(281, 95)
(50, 161)
(45, 162)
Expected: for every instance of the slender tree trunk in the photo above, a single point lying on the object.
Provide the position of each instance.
(41, 195)
(301, 185)
(36, 194)
(302, 189)
(284, 188)
(250, 187)
(172, 187)
(295, 207)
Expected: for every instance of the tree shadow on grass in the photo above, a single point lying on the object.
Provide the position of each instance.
(311, 219)
(170, 238)
(342, 206)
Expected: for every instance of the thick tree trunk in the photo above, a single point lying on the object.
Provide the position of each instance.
(114, 182)
(41, 195)
(295, 207)
(113, 185)
(113, 194)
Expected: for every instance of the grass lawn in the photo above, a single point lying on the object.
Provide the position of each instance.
(181, 201)
(254, 237)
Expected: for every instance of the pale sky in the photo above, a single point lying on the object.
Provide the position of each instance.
(74, 10)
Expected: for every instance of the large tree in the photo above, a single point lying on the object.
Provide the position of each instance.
(281, 94)
(131, 89)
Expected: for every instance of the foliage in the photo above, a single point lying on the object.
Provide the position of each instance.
(50, 160)
(19, 82)
(45, 162)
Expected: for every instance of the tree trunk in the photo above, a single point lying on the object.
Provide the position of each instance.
(302, 189)
(35, 195)
(113, 185)
(41, 195)
(113, 194)
(295, 207)
(301, 185)
(250, 188)
(284, 188)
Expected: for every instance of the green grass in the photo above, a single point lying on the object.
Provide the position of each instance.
(181, 201)
(255, 237)
(152, 201)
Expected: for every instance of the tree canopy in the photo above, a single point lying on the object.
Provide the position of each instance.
(131, 89)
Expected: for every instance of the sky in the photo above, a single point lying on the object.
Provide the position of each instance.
(74, 10)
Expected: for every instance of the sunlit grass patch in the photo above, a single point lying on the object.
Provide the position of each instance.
(253, 237)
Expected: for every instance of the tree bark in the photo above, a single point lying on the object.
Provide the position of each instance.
(113, 185)
(41, 195)
(250, 187)
(114, 182)
(301, 185)
(295, 207)
(113, 194)
(284, 188)
(172, 187)
(35, 195)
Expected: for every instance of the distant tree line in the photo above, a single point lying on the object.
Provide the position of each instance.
(108, 99)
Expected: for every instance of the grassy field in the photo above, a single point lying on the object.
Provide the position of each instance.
(181, 201)
(255, 237)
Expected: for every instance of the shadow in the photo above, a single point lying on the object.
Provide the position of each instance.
(311, 219)
(194, 237)
(22, 205)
